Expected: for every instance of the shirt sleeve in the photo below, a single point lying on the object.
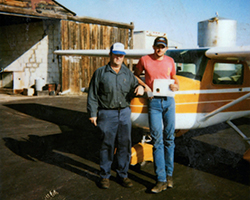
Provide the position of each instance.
(173, 71)
(133, 84)
(140, 64)
(134, 81)
(92, 102)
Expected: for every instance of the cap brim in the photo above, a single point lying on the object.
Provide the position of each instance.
(119, 52)
(157, 43)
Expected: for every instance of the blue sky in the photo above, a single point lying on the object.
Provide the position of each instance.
(177, 18)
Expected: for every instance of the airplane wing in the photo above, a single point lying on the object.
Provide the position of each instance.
(130, 53)
(224, 53)
(229, 53)
(83, 52)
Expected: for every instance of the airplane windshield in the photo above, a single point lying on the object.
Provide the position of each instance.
(189, 63)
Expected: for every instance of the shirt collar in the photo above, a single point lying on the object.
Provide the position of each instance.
(109, 69)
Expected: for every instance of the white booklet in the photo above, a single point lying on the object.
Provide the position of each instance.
(161, 87)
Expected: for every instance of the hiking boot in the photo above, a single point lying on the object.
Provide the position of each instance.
(159, 187)
(104, 183)
(126, 182)
(170, 182)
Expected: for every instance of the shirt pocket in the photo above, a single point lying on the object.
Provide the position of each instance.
(124, 85)
(125, 88)
(105, 93)
(106, 85)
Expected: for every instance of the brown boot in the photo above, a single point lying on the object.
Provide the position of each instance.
(104, 183)
(125, 182)
(170, 182)
(160, 186)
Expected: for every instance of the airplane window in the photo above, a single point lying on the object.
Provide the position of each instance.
(228, 73)
(186, 69)
(189, 63)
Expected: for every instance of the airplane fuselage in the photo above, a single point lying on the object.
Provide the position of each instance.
(205, 85)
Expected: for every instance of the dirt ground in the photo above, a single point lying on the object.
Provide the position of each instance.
(49, 150)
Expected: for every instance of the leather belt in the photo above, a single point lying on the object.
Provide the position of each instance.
(161, 97)
(113, 108)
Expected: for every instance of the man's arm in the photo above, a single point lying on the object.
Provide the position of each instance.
(92, 101)
(175, 86)
(137, 74)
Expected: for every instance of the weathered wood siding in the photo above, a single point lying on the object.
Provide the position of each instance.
(40, 8)
(77, 71)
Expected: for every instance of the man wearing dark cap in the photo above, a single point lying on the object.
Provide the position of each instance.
(110, 92)
(161, 111)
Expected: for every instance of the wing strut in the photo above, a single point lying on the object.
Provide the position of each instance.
(238, 131)
(225, 106)
(246, 155)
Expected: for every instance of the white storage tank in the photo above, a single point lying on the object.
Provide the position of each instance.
(217, 31)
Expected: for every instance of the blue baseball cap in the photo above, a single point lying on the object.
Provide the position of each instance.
(117, 48)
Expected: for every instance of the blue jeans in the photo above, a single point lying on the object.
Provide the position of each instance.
(115, 127)
(162, 126)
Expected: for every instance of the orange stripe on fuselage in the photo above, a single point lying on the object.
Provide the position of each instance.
(203, 103)
(196, 102)
(198, 106)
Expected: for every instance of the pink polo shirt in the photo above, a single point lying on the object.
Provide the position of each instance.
(156, 69)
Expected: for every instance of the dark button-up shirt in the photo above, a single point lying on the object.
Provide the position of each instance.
(110, 90)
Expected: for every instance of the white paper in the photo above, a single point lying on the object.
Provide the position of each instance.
(161, 87)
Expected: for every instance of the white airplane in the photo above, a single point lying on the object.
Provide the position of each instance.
(214, 88)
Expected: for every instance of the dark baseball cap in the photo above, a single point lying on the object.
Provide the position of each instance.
(161, 40)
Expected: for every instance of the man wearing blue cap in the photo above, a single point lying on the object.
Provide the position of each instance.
(110, 91)
(161, 111)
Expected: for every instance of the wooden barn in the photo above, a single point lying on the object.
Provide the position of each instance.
(31, 30)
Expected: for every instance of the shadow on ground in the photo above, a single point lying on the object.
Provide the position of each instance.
(83, 139)
(212, 159)
(78, 137)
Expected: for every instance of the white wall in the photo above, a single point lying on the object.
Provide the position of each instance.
(27, 51)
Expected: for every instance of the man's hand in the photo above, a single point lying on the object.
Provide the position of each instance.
(149, 92)
(93, 120)
(139, 90)
(174, 87)
(147, 89)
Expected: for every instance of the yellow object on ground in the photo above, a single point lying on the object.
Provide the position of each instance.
(141, 152)
(246, 155)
